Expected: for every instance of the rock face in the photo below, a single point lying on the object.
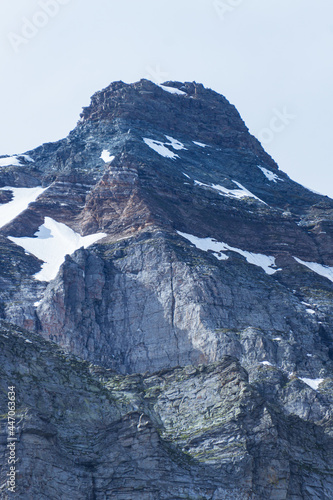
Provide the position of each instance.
(200, 432)
(204, 311)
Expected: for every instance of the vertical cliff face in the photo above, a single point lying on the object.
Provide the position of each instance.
(159, 235)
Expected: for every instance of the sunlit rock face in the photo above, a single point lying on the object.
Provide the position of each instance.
(160, 242)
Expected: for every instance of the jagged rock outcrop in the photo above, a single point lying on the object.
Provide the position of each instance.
(195, 432)
(209, 263)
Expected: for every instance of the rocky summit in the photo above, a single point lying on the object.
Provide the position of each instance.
(166, 313)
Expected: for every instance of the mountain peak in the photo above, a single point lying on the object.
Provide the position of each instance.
(159, 243)
(175, 107)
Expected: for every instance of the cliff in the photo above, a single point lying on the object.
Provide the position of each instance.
(175, 288)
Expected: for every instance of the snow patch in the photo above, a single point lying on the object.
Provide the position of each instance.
(247, 192)
(14, 160)
(201, 144)
(106, 157)
(266, 363)
(28, 158)
(310, 311)
(270, 175)
(172, 90)
(174, 143)
(242, 192)
(160, 148)
(187, 176)
(20, 202)
(325, 271)
(51, 243)
(266, 262)
(312, 382)
(277, 338)
(10, 160)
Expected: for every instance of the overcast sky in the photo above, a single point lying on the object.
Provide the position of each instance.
(271, 58)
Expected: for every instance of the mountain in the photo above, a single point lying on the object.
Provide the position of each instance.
(166, 307)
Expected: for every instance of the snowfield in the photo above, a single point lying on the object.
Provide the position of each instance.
(325, 271)
(14, 161)
(266, 262)
(20, 202)
(51, 243)
(239, 193)
(172, 90)
(162, 149)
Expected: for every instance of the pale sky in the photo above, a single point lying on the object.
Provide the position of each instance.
(272, 59)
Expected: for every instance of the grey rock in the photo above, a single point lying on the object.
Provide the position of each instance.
(194, 432)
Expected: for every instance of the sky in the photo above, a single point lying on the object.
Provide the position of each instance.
(272, 59)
